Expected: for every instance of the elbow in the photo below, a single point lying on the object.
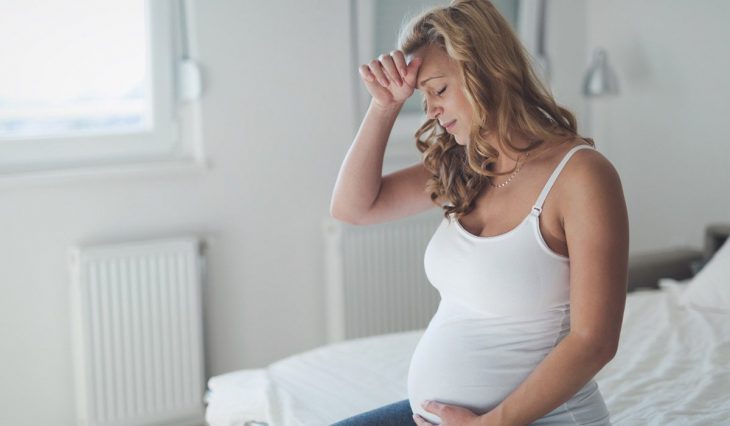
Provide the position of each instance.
(600, 348)
(607, 352)
(344, 216)
(345, 212)
(336, 212)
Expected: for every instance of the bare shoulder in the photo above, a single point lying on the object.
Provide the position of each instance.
(589, 170)
(590, 184)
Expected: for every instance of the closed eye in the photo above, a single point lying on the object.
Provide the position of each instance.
(440, 92)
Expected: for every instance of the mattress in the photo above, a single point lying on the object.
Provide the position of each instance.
(672, 368)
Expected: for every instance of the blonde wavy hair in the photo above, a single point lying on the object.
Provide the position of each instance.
(502, 89)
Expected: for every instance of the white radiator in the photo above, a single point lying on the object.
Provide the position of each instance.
(137, 328)
(376, 281)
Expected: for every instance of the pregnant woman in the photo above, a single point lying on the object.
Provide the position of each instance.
(531, 257)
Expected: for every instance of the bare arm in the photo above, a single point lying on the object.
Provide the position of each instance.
(361, 195)
(596, 229)
(358, 182)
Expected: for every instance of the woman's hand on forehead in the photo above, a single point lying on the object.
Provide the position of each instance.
(389, 78)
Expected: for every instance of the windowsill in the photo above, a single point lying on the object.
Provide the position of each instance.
(188, 166)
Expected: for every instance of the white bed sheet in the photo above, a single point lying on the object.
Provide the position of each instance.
(673, 364)
(672, 368)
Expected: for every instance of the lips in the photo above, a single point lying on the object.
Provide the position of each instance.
(448, 125)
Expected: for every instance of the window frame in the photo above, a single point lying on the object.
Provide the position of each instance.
(163, 142)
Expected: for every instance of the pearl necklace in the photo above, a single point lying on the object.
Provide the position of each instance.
(517, 170)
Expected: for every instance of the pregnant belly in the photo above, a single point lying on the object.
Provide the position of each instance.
(472, 362)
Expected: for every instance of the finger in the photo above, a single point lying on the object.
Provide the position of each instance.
(420, 421)
(412, 70)
(377, 69)
(390, 70)
(435, 407)
(366, 74)
(400, 62)
(371, 82)
(413, 66)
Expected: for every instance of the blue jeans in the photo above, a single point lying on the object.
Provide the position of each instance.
(395, 414)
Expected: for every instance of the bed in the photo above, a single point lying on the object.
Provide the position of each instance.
(672, 366)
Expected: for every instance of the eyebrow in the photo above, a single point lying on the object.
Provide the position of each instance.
(430, 78)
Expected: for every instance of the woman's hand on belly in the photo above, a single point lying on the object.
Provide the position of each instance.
(453, 415)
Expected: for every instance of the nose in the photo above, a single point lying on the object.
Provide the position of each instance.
(433, 110)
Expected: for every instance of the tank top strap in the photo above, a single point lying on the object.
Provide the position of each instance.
(537, 208)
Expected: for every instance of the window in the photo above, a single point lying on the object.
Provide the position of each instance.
(88, 83)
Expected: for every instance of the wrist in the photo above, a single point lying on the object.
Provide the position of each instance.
(495, 417)
(392, 108)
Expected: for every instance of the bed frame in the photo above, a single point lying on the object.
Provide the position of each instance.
(646, 269)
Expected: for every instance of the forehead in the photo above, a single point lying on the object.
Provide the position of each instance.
(435, 62)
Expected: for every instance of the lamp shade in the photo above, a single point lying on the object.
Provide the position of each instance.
(600, 79)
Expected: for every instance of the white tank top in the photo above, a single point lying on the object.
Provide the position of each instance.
(505, 304)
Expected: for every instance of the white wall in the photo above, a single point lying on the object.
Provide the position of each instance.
(667, 132)
(277, 121)
(567, 49)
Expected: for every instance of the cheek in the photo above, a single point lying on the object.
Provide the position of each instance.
(466, 109)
